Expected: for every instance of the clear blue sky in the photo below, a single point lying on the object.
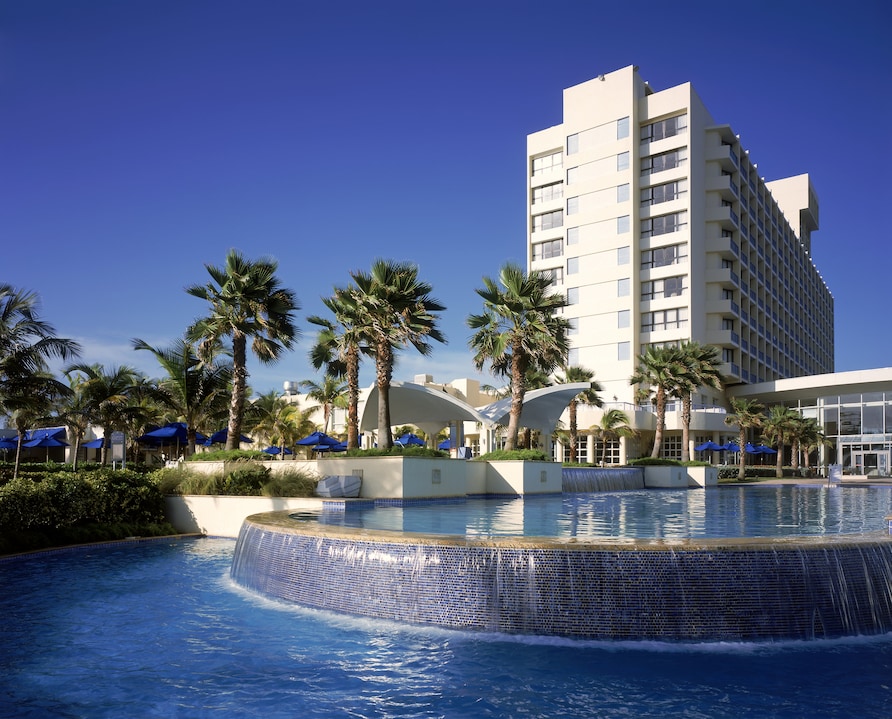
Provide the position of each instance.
(140, 139)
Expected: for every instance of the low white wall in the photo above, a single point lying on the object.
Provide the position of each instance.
(702, 476)
(408, 477)
(665, 477)
(275, 466)
(223, 516)
(523, 477)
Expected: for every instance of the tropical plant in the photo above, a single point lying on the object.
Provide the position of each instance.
(338, 348)
(811, 437)
(659, 370)
(699, 368)
(194, 391)
(519, 330)
(613, 426)
(588, 397)
(779, 428)
(395, 310)
(330, 393)
(108, 397)
(247, 303)
(746, 414)
(277, 422)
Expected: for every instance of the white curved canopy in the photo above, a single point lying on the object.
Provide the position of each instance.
(542, 408)
(416, 404)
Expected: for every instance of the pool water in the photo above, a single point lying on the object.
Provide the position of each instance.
(156, 629)
(775, 511)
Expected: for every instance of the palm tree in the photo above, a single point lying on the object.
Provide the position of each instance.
(108, 396)
(659, 370)
(519, 330)
(330, 393)
(747, 414)
(279, 423)
(811, 437)
(247, 302)
(72, 410)
(29, 403)
(589, 398)
(194, 391)
(779, 428)
(613, 426)
(395, 310)
(338, 348)
(699, 368)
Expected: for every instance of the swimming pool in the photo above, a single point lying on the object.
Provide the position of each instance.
(756, 564)
(156, 629)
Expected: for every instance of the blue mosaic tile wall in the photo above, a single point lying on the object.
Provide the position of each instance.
(721, 594)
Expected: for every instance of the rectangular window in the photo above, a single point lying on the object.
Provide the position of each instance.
(572, 235)
(572, 295)
(664, 224)
(572, 205)
(622, 128)
(664, 256)
(671, 319)
(623, 351)
(572, 265)
(544, 250)
(548, 220)
(622, 225)
(572, 175)
(556, 274)
(662, 129)
(622, 193)
(727, 355)
(623, 318)
(622, 161)
(546, 163)
(573, 143)
(623, 254)
(666, 192)
(573, 329)
(664, 161)
(554, 191)
(623, 287)
(666, 287)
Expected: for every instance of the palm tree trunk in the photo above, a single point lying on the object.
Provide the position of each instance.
(661, 422)
(384, 369)
(573, 431)
(239, 384)
(685, 428)
(779, 468)
(352, 398)
(741, 441)
(517, 394)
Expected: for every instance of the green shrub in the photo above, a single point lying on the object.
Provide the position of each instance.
(397, 451)
(291, 484)
(229, 455)
(654, 462)
(530, 455)
(245, 482)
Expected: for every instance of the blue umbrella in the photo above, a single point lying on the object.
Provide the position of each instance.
(445, 444)
(731, 447)
(93, 444)
(763, 449)
(317, 438)
(171, 432)
(46, 440)
(409, 439)
(709, 446)
(751, 449)
(8, 443)
(221, 437)
(276, 450)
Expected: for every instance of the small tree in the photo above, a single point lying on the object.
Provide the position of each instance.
(747, 414)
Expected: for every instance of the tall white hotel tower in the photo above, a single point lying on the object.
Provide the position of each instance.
(655, 223)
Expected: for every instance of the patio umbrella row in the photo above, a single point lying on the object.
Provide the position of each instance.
(749, 448)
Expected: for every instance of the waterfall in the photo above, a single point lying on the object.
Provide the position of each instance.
(595, 479)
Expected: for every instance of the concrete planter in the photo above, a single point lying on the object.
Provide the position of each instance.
(665, 477)
(523, 477)
(702, 476)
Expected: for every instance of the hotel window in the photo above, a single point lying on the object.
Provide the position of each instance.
(662, 129)
(622, 193)
(664, 319)
(622, 161)
(573, 328)
(666, 287)
(622, 225)
(555, 191)
(572, 205)
(572, 295)
(623, 287)
(556, 274)
(664, 224)
(572, 265)
(623, 319)
(623, 351)
(666, 192)
(572, 235)
(664, 161)
(544, 250)
(547, 162)
(622, 255)
(664, 256)
(622, 128)
(548, 220)
(727, 355)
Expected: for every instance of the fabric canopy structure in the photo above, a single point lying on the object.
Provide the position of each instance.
(8, 443)
(171, 433)
(45, 440)
(93, 444)
(709, 447)
(542, 408)
(317, 438)
(221, 436)
(276, 450)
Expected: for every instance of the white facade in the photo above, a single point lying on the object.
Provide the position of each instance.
(657, 226)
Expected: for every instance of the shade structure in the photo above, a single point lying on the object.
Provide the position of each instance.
(221, 436)
(731, 447)
(276, 450)
(93, 444)
(410, 439)
(708, 447)
(45, 440)
(764, 449)
(445, 444)
(750, 448)
(317, 438)
(8, 443)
